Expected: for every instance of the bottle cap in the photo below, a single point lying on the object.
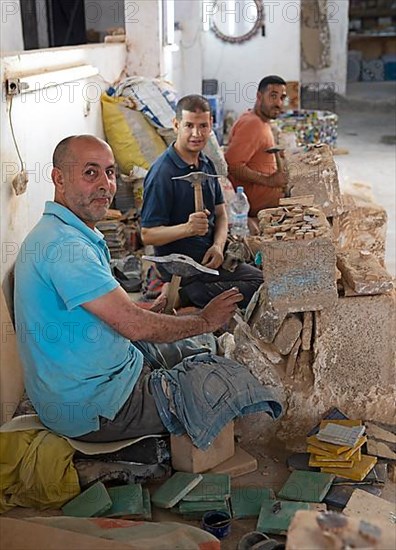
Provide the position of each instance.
(240, 189)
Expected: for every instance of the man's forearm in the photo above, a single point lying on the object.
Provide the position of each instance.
(155, 327)
(164, 234)
(243, 173)
(221, 230)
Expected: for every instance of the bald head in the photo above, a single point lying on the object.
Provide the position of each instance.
(65, 152)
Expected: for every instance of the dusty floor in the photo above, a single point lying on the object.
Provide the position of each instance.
(362, 125)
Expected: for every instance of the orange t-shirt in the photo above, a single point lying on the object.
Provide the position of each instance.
(249, 138)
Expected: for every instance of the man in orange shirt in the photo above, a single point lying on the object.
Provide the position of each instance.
(248, 162)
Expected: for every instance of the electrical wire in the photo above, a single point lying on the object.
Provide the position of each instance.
(13, 136)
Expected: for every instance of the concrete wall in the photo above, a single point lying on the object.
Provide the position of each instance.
(239, 67)
(337, 72)
(143, 25)
(40, 120)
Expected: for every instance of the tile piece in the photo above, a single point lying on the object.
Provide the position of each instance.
(127, 500)
(174, 489)
(276, 515)
(92, 502)
(241, 463)
(212, 487)
(247, 501)
(306, 486)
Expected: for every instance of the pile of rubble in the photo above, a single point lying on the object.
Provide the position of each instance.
(320, 328)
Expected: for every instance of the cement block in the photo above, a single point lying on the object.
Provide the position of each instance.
(188, 458)
(356, 349)
(314, 171)
(362, 226)
(363, 272)
(288, 334)
(300, 275)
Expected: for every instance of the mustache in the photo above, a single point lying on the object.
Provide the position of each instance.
(101, 196)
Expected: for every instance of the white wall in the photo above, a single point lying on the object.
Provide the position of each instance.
(40, 120)
(240, 67)
(337, 72)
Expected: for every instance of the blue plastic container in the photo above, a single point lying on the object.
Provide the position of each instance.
(217, 523)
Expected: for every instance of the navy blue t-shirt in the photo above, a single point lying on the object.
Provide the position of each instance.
(170, 202)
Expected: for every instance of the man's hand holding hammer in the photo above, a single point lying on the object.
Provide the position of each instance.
(198, 225)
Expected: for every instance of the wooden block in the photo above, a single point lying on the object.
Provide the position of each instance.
(174, 489)
(188, 458)
(92, 502)
(241, 463)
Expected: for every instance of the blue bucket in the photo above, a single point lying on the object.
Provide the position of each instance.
(217, 523)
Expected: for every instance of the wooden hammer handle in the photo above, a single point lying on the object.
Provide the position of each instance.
(172, 294)
(198, 198)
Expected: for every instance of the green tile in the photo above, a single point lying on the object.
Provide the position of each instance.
(92, 502)
(276, 515)
(146, 505)
(127, 501)
(197, 509)
(246, 501)
(212, 487)
(174, 489)
(306, 486)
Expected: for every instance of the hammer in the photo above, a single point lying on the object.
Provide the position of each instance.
(279, 160)
(196, 179)
(178, 265)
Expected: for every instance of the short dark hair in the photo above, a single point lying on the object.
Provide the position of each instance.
(192, 104)
(271, 79)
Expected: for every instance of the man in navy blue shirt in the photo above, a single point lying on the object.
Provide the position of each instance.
(169, 220)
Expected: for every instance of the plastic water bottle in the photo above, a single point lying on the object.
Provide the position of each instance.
(239, 208)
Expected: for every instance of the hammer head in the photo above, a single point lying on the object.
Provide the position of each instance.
(274, 150)
(179, 264)
(196, 177)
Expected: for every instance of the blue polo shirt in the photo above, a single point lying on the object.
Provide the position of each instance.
(170, 202)
(77, 367)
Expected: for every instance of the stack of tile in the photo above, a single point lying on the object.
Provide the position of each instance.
(292, 222)
(114, 233)
(336, 449)
(191, 495)
(130, 501)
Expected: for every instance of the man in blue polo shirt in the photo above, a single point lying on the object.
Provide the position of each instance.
(169, 221)
(75, 324)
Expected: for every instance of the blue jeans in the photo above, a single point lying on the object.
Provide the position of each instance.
(206, 393)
